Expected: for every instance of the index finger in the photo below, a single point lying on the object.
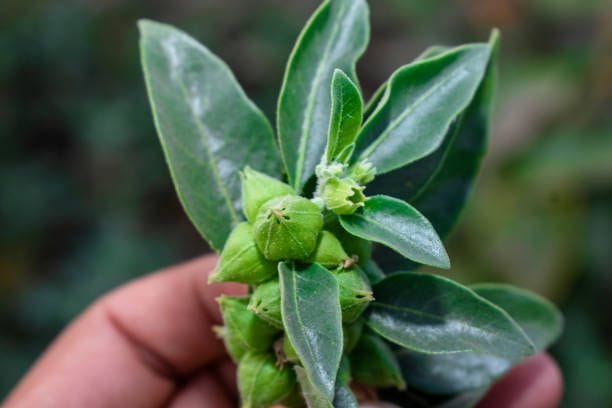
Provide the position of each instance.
(133, 346)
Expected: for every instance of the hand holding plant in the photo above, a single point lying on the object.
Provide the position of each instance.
(298, 226)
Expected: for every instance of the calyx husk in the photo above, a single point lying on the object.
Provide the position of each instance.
(241, 261)
(265, 303)
(257, 188)
(243, 331)
(262, 382)
(329, 251)
(287, 228)
(355, 293)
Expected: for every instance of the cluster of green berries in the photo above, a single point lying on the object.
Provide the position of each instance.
(283, 226)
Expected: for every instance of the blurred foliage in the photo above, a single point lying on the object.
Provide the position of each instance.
(86, 202)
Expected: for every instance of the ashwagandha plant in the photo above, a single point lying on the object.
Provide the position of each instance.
(321, 319)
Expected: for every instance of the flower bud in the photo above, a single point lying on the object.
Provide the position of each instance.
(265, 303)
(243, 330)
(355, 293)
(241, 261)
(287, 228)
(329, 251)
(257, 188)
(343, 195)
(362, 172)
(352, 333)
(373, 363)
(289, 351)
(261, 382)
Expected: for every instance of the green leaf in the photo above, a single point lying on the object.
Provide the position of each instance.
(345, 119)
(537, 316)
(335, 37)
(313, 322)
(344, 397)
(374, 101)
(313, 396)
(205, 143)
(434, 315)
(399, 226)
(440, 184)
(419, 105)
(373, 363)
(450, 373)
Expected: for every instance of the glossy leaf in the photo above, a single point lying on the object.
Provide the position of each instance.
(334, 38)
(420, 103)
(439, 184)
(208, 128)
(313, 322)
(399, 226)
(459, 372)
(345, 119)
(344, 397)
(312, 395)
(434, 315)
(538, 317)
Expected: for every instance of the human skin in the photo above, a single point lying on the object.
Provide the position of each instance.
(149, 343)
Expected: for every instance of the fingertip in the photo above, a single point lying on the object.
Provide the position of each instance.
(535, 383)
(204, 391)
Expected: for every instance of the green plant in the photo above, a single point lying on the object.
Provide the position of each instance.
(321, 315)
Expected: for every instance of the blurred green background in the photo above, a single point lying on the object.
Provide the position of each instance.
(86, 201)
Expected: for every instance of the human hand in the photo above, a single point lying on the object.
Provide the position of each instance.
(149, 343)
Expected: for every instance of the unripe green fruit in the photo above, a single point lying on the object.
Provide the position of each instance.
(355, 293)
(289, 351)
(373, 363)
(351, 244)
(329, 251)
(352, 333)
(241, 261)
(287, 228)
(257, 188)
(343, 195)
(243, 330)
(261, 382)
(265, 303)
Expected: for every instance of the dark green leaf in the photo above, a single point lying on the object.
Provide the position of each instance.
(207, 126)
(433, 315)
(313, 322)
(345, 119)
(539, 318)
(375, 99)
(419, 105)
(335, 37)
(373, 363)
(439, 184)
(344, 397)
(399, 226)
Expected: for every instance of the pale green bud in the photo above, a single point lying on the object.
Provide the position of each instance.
(343, 195)
(362, 172)
(241, 261)
(261, 382)
(257, 188)
(265, 303)
(287, 228)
